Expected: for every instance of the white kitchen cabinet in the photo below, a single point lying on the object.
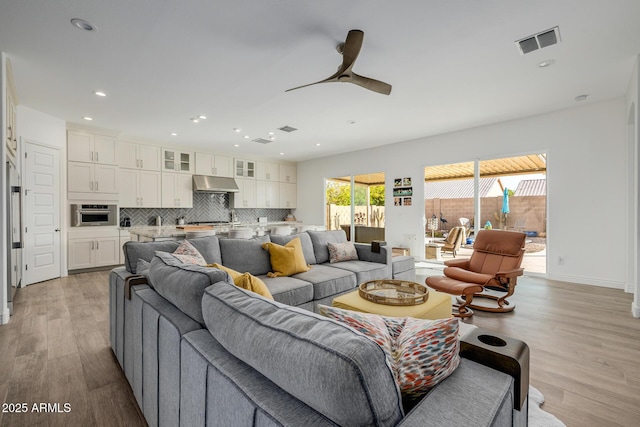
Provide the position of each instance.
(140, 189)
(268, 171)
(213, 164)
(177, 161)
(267, 194)
(177, 190)
(90, 148)
(89, 251)
(288, 173)
(125, 236)
(288, 195)
(246, 196)
(92, 178)
(139, 156)
(245, 168)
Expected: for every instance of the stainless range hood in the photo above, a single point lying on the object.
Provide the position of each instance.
(214, 184)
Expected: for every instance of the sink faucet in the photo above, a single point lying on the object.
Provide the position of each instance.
(234, 217)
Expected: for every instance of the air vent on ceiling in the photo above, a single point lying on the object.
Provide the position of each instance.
(538, 41)
(287, 129)
(261, 140)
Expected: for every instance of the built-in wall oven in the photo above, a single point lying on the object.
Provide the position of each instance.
(93, 215)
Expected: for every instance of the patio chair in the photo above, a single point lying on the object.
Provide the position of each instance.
(453, 241)
(490, 273)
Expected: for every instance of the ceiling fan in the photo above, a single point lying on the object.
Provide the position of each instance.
(349, 51)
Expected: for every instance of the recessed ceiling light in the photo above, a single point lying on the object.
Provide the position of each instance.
(100, 93)
(318, 144)
(246, 137)
(237, 129)
(236, 145)
(83, 24)
(201, 117)
(272, 138)
(174, 134)
(88, 118)
(581, 97)
(282, 154)
(546, 63)
(270, 133)
(195, 120)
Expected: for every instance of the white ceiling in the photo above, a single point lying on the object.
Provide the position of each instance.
(452, 64)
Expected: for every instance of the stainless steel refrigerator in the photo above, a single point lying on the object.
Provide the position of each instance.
(14, 235)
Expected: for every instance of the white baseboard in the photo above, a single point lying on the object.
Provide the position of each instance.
(635, 310)
(588, 281)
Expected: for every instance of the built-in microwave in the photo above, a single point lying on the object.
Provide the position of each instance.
(93, 215)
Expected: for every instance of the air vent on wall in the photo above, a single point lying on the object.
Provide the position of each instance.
(538, 41)
(287, 129)
(261, 140)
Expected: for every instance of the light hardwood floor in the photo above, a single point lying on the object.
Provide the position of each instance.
(585, 353)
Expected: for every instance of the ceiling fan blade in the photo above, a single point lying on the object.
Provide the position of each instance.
(351, 49)
(371, 84)
(333, 78)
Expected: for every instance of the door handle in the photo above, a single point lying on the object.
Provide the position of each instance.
(56, 230)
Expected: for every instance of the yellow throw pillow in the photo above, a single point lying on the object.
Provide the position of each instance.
(246, 281)
(286, 260)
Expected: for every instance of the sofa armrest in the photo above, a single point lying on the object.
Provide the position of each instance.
(510, 274)
(132, 281)
(383, 257)
(473, 395)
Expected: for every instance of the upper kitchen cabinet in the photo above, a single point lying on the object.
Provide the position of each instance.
(288, 173)
(268, 171)
(139, 156)
(90, 179)
(213, 164)
(177, 161)
(245, 168)
(91, 148)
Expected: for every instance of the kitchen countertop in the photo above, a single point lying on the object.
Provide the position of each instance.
(170, 231)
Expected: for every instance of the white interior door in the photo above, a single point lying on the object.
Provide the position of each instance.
(42, 213)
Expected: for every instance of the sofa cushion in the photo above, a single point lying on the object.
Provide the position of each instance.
(339, 252)
(183, 284)
(286, 260)
(328, 366)
(364, 270)
(305, 241)
(246, 281)
(246, 255)
(133, 251)
(188, 254)
(320, 239)
(209, 247)
(421, 352)
(289, 290)
(328, 281)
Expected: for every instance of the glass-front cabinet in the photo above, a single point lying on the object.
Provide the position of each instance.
(177, 161)
(245, 168)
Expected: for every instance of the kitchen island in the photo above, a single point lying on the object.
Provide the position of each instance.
(173, 232)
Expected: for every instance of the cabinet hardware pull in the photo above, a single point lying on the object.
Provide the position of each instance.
(92, 245)
(97, 245)
(96, 157)
(137, 163)
(96, 185)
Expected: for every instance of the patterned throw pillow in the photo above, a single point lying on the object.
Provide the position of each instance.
(246, 281)
(189, 254)
(339, 252)
(421, 352)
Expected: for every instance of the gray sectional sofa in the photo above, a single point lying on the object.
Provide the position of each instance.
(199, 351)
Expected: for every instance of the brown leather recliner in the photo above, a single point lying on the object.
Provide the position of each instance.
(494, 265)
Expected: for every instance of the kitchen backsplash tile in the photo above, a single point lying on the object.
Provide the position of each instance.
(206, 207)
